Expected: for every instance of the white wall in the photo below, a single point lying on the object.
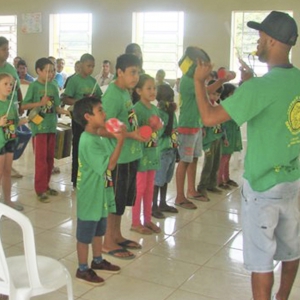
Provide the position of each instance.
(112, 22)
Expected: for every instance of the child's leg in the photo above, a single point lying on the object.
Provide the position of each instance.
(221, 169)
(226, 168)
(206, 170)
(216, 156)
(148, 195)
(50, 156)
(141, 182)
(147, 202)
(82, 254)
(6, 178)
(41, 165)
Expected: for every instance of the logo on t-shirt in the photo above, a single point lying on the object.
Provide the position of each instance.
(174, 138)
(108, 179)
(49, 107)
(9, 130)
(293, 122)
(132, 119)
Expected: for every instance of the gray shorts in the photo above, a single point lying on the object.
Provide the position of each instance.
(270, 221)
(190, 146)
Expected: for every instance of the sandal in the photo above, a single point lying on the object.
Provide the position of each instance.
(224, 186)
(153, 227)
(52, 192)
(186, 204)
(232, 183)
(199, 197)
(141, 229)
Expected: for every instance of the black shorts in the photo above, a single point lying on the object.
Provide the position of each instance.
(9, 147)
(124, 179)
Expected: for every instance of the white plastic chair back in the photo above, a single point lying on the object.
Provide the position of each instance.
(35, 286)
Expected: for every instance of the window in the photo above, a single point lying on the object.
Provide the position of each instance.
(8, 29)
(70, 37)
(160, 35)
(244, 40)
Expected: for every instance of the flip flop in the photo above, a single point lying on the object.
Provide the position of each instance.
(114, 253)
(126, 244)
(186, 204)
(199, 197)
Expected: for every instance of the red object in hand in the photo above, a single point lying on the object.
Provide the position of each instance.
(155, 122)
(145, 131)
(222, 73)
(113, 125)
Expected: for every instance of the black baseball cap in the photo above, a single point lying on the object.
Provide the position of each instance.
(278, 25)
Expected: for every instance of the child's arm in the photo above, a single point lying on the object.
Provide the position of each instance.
(3, 120)
(32, 105)
(116, 153)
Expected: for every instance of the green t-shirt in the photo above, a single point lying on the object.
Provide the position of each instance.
(35, 93)
(189, 116)
(8, 132)
(95, 195)
(150, 159)
(211, 134)
(9, 69)
(271, 107)
(167, 142)
(79, 87)
(117, 103)
(234, 137)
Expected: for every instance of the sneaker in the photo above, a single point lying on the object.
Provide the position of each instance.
(43, 198)
(224, 186)
(158, 214)
(106, 267)
(214, 190)
(232, 183)
(52, 192)
(89, 276)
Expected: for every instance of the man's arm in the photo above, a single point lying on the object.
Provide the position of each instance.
(210, 115)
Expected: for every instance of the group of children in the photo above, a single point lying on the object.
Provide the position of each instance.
(111, 170)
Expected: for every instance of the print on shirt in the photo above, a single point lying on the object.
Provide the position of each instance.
(153, 140)
(132, 119)
(174, 139)
(9, 130)
(49, 107)
(293, 122)
(108, 179)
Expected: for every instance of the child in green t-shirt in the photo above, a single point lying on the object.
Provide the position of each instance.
(95, 195)
(9, 120)
(80, 86)
(42, 97)
(150, 160)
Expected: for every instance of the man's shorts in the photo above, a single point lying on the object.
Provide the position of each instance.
(9, 147)
(124, 180)
(190, 146)
(87, 230)
(167, 165)
(270, 222)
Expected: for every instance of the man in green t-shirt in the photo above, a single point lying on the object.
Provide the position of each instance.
(270, 105)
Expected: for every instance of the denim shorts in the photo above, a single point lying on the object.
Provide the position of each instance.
(87, 230)
(270, 221)
(9, 147)
(190, 146)
(167, 165)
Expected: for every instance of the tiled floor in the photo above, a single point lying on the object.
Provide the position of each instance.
(197, 256)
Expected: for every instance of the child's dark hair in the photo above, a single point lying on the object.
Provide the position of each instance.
(219, 90)
(21, 62)
(125, 61)
(142, 80)
(42, 62)
(86, 57)
(165, 98)
(228, 89)
(3, 41)
(82, 107)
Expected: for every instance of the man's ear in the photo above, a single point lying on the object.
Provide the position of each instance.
(119, 73)
(87, 116)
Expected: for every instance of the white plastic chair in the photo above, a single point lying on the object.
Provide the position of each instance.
(22, 277)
